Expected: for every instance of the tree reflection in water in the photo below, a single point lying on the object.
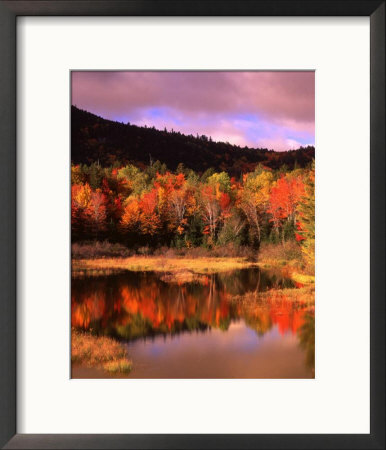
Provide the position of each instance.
(306, 334)
(269, 336)
(135, 305)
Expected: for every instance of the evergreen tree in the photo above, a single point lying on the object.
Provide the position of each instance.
(306, 220)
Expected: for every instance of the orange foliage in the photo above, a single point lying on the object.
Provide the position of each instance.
(167, 307)
(149, 219)
(168, 204)
(284, 198)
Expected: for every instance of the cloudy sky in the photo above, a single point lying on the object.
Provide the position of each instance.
(274, 110)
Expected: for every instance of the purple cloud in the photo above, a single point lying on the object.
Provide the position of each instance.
(258, 109)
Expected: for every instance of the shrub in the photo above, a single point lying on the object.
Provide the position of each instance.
(93, 250)
(290, 250)
(144, 251)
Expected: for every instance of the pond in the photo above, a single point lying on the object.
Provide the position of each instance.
(201, 328)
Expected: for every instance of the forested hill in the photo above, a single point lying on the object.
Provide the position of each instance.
(96, 139)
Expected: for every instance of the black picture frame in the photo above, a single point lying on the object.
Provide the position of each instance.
(9, 11)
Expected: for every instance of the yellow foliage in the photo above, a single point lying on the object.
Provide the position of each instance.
(257, 189)
(76, 175)
(82, 195)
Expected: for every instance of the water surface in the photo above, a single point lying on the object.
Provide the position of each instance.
(195, 329)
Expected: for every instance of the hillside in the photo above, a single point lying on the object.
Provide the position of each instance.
(96, 139)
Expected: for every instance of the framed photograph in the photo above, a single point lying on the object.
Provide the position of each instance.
(193, 224)
(192, 257)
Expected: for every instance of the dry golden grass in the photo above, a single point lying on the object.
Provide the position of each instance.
(305, 295)
(280, 254)
(121, 365)
(303, 278)
(99, 351)
(288, 258)
(286, 250)
(182, 276)
(161, 264)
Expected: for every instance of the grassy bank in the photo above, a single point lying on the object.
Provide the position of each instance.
(160, 264)
(288, 259)
(304, 295)
(99, 352)
(105, 249)
(188, 264)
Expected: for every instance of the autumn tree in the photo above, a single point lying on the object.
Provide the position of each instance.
(232, 229)
(306, 220)
(131, 215)
(178, 200)
(253, 200)
(210, 211)
(220, 181)
(96, 213)
(77, 175)
(80, 200)
(132, 181)
(284, 198)
(154, 206)
(149, 220)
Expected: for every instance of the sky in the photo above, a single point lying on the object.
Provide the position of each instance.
(274, 110)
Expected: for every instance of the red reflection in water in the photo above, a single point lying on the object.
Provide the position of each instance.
(138, 305)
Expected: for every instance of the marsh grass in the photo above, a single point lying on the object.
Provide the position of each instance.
(285, 259)
(288, 258)
(99, 351)
(204, 265)
(182, 276)
(303, 295)
(303, 278)
(281, 254)
(103, 258)
(121, 365)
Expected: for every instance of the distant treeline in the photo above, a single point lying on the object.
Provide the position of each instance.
(158, 207)
(94, 139)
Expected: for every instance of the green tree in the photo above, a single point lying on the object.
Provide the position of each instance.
(253, 201)
(220, 179)
(306, 220)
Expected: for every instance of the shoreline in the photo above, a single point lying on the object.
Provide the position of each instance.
(199, 266)
(185, 268)
(87, 360)
(100, 353)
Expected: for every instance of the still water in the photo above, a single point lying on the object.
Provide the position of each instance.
(200, 328)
